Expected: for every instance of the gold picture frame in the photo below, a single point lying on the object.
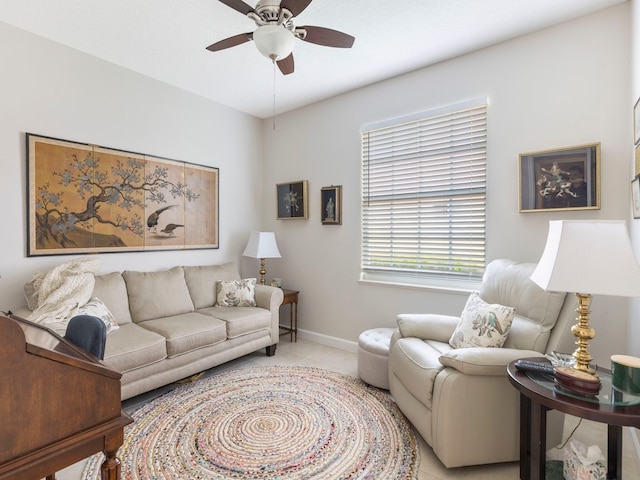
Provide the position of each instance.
(635, 196)
(636, 122)
(331, 205)
(292, 200)
(560, 179)
(83, 198)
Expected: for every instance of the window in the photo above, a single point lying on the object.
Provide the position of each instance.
(423, 196)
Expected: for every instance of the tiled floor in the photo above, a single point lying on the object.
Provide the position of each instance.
(315, 355)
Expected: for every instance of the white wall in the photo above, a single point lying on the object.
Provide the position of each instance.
(563, 86)
(633, 343)
(52, 90)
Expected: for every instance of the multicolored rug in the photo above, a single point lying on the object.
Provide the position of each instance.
(274, 422)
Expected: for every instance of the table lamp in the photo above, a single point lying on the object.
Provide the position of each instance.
(588, 257)
(262, 245)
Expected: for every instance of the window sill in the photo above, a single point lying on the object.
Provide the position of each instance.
(431, 285)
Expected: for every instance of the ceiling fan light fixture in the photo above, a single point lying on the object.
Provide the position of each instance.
(274, 41)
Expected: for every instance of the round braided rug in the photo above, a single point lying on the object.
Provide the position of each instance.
(268, 423)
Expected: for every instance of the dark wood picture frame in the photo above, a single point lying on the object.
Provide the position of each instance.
(292, 200)
(83, 198)
(331, 205)
(560, 179)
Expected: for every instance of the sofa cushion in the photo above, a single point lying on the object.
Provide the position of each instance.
(236, 293)
(201, 281)
(132, 346)
(482, 324)
(241, 321)
(157, 294)
(188, 331)
(111, 289)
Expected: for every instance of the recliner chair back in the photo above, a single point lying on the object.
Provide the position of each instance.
(542, 319)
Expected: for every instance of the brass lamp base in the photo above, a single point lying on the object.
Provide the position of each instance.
(584, 333)
(263, 272)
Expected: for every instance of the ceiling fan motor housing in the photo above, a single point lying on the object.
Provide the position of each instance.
(274, 41)
(269, 12)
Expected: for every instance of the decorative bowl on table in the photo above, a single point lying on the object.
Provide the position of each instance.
(558, 359)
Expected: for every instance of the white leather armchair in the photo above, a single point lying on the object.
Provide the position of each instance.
(460, 400)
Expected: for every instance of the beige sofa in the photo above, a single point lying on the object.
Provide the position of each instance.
(460, 399)
(170, 327)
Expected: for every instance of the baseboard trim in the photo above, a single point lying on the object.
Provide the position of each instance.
(328, 341)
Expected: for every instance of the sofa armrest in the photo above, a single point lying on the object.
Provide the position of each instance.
(270, 298)
(22, 312)
(427, 326)
(484, 361)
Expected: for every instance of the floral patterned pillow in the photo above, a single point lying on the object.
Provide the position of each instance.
(482, 324)
(236, 293)
(96, 308)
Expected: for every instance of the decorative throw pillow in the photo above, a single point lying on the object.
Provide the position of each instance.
(236, 293)
(482, 324)
(96, 308)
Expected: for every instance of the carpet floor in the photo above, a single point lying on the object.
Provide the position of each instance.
(273, 422)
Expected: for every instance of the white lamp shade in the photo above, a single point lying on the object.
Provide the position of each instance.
(274, 41)
(262, 245)
(588, 257)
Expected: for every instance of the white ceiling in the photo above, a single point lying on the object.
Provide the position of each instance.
(166, 40)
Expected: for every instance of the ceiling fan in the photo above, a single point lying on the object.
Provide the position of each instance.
(276, 32)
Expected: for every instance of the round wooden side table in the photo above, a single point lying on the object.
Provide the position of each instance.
(538, 395)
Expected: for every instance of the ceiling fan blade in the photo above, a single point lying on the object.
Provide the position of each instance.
(286, 64)
(295, 6)
(238, 5)
(231, 42)
(327, 37)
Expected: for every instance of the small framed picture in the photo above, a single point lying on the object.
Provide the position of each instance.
(291, 200)
(636, 122)
(635, 196)
(560, 179)
(331, 204)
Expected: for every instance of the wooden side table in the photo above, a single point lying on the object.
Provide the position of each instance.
(291, 299)
(537, 395)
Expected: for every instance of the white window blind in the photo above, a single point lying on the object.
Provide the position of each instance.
(424, 192)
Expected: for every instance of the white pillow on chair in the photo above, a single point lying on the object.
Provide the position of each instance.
(482, 324)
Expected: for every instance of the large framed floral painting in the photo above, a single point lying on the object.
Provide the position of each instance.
(560, 179)
(84, 198)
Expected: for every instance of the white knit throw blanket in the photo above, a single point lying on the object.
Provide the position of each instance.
(63, 290)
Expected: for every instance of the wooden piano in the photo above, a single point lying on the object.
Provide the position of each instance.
(58, 404)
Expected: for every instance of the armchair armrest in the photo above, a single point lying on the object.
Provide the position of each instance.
(427, 326)
(484, 361)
